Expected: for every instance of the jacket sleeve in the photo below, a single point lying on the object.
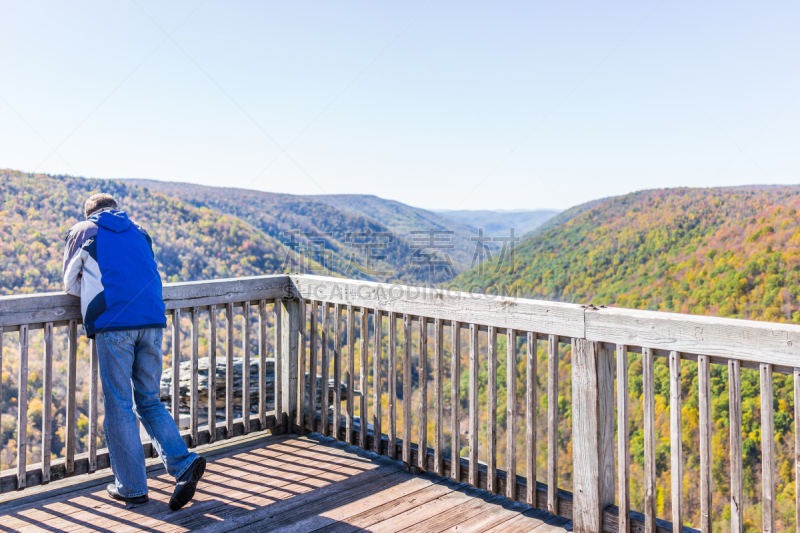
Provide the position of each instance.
(73, 262)
(146, 238)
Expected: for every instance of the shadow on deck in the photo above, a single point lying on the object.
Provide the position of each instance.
(281, 483)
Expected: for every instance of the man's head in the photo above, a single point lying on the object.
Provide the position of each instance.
(98, 202)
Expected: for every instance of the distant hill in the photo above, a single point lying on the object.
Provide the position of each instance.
(332, 218)
(403, 219)
(191, 243)
(499, 222)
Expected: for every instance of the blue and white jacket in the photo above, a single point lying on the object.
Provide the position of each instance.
(109, 263)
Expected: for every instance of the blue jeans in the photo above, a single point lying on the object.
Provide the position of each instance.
(130, 370)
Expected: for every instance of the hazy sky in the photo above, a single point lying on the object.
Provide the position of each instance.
(441, 104)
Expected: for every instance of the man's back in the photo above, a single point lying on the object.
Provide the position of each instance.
(109, 263)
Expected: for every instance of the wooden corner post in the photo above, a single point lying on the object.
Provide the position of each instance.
(291, 330)
(592, 434)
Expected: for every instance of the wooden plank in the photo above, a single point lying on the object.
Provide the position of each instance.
(552, 424)
(648, 384)
(212, 376)
(767, 451)
(377, 325)
(301, 366)
(228, 369)
(22, 408)
(72, 376)
(499, 311)
(623, 441)
(736, 452)
(530, 419)
(704, 393)
(491, 414)
(422, 413)
(337, 368)
(290, 354)
(363, 375)
(592, 434)
(473, 405)
(325, 369)
(407, 322)
(193, 406)
(175, 393)
(94, 393)
(511, 415)
(262, 363)
(391, 377)
(351, 370)
(438, 396)
(746, 340)
(455, 400)
(676, 438)
(47, 398)
(246, 366)
(277, 343)
(312, 367)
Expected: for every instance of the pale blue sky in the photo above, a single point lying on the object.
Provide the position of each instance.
(443, 104)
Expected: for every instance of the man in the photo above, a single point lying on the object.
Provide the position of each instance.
(109, 263)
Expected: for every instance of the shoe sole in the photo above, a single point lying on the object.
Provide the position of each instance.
(187, 493)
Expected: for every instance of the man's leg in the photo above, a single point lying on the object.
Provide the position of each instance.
(155, 418)
(115, 353)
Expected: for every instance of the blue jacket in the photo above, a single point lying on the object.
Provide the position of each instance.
(109, 263)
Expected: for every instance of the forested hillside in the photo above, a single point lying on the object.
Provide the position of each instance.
(499, 222)
(732, 252)
(342, 223)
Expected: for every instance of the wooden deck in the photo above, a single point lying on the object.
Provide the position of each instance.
(282, 483)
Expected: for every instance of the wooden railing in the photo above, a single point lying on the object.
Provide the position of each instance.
(324, 323)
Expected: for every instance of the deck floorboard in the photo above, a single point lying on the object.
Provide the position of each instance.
(278, 484)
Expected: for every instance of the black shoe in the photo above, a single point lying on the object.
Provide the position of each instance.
(114, 493)
(187, 483)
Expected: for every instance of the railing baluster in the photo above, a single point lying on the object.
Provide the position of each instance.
(623, 441)
(455, 403)
(228, 370)
(212, 372)
(47, 399)
(407, 322)
(246, 367)
(301, 366)
(704, 393)
(262, 365)
(648, 384)
(391, 377)
(195, 368)
(552, 424)
(337, 370)
(422, 413)
(363, 372)
(277, 343)
(735, 414)
(511, 414)
(22, 408)
(325, 369)
(438, 397)
(473, 405)
(94, 392)
(176, 366)
(72, 373)
(491, 422)
(767, 451)
(351, 369)
(377, 324)
(312, 367)
(676, 445)
(530, 419)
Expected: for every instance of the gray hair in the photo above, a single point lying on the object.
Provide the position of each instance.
(98, 202)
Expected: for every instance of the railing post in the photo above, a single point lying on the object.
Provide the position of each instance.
(592, 434)
(290, 346)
